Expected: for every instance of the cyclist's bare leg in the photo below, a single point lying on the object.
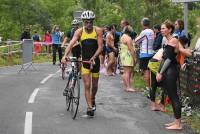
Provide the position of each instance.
(94, 87)
(87, 85)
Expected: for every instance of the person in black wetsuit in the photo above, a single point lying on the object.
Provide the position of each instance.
(168, 73)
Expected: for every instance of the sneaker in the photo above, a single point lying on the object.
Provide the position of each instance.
(94, 106)
(90, 112)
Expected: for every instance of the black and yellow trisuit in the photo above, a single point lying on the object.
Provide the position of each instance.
(89, 47)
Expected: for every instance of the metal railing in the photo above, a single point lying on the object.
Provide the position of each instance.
(190, 79)
(10, 47)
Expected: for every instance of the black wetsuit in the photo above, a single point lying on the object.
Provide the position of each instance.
(170, 72)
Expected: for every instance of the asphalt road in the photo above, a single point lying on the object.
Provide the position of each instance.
(32, 103)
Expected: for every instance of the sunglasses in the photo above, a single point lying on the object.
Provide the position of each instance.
(88, 21)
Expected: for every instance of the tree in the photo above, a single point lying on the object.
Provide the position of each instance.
(43, 14)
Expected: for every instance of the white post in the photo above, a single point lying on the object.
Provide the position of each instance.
(186, 18)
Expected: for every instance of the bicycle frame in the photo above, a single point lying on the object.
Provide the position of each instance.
(73, 86)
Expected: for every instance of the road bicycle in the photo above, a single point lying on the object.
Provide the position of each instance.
(72, 88)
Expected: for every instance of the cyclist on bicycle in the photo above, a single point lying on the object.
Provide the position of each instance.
(76, 50)
(91, 40)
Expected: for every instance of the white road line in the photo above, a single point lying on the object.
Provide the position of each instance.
(46, 78)
(58, 71)
(32, 97)
(28, 123)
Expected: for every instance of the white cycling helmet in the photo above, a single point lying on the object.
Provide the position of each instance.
(87, 15)
(75, 22)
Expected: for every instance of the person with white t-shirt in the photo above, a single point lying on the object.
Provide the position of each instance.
(146, 39)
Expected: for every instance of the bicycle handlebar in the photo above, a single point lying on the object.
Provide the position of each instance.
(74, 59)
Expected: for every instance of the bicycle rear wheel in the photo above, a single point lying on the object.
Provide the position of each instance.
(74, 101)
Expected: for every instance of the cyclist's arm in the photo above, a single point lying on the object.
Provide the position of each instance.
(99, 41)
(72, 42)
(64, 41)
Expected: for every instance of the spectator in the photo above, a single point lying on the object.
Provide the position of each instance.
(111, 50)
(153, 65)
(117, 36)
(26, 34)
(48, 41)
(168, 71)
(37, 44)
(36, 37)
(103, 55)
(179, 28)
(146, 49)
(127, 56)
(56, 43)
(158, 38)
(125, 23)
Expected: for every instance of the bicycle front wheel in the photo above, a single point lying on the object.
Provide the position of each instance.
(68, 91)
(75, 92)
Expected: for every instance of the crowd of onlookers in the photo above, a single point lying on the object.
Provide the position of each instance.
(160, 52)
(51, 40)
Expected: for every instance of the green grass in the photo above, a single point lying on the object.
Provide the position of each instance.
(15, 59)
(138, 82)
(42, 58)
(193, 121)
(10, 60)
